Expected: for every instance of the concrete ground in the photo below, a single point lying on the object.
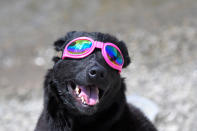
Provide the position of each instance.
(162, 40)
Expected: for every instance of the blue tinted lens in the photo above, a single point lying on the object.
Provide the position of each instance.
(79, 46)
(114, 55)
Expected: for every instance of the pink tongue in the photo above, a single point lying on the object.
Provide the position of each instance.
(90, 94)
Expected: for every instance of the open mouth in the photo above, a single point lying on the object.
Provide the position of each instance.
(86, 95)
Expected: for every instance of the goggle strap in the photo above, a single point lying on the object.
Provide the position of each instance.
(59, 54)
(99, 44)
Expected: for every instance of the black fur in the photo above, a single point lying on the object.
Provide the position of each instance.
(61, 111)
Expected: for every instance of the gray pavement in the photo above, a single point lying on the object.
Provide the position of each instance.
(162, 40)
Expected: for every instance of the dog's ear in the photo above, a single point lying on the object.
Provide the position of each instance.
(125, 53)
(60, 43)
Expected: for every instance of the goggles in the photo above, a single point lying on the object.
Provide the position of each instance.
(84, 46)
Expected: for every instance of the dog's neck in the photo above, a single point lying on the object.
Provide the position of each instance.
(65, 121)
(101, 119)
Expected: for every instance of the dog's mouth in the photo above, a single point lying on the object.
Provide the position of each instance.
(87, 95)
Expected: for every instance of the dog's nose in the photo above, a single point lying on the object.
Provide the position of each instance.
(97, 74)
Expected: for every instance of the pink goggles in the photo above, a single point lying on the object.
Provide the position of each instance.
(83, 46)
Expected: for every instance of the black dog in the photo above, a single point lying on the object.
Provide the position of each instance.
(64, 111)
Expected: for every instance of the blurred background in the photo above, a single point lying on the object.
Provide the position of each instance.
(161, 36)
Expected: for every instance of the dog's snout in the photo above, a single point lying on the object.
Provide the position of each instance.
(97, 73)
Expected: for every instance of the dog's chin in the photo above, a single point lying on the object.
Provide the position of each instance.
(85, 98)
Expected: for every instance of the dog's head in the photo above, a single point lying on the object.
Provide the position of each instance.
(86, 85)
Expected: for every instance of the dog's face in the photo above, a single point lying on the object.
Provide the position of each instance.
(87, 85)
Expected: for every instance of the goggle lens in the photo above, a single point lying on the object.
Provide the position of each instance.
(114, 55)
(79, 47)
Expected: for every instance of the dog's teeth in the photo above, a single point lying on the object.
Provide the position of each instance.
(97, 101)
(77, 90)
(82, 99)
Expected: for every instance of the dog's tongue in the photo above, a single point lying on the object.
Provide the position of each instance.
(90, 94)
